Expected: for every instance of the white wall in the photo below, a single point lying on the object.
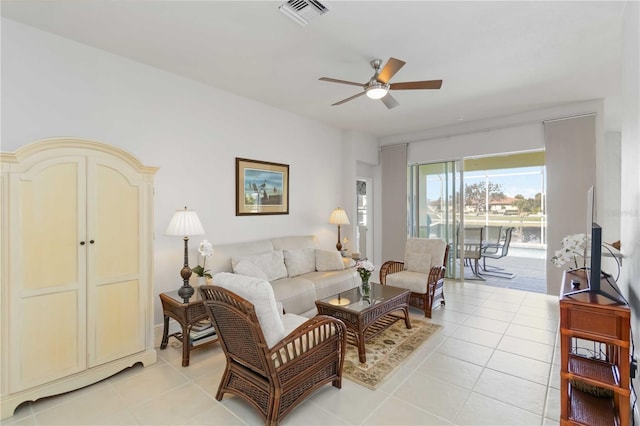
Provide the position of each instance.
(360, 155)
(55, 87)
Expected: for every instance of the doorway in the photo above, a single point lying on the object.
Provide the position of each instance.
(495, 192)
(364, 227)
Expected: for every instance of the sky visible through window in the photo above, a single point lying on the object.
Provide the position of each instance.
(526, 181)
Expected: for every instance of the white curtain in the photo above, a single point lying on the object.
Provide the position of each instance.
(393, 162)
(571, 171)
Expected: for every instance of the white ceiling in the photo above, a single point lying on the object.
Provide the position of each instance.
(496, 58)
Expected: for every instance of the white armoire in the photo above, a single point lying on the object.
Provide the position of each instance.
(77, 262)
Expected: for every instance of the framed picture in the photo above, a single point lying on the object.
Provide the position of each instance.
(261, 187)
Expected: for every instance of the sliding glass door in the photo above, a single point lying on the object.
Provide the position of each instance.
(435, 206)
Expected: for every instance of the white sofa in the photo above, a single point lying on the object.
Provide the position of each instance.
(299, 272)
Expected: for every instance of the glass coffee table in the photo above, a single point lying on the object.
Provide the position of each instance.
(367, 316)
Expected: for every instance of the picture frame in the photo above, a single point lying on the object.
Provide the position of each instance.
(262, 187)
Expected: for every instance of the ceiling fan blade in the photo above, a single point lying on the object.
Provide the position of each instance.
(348, 99)
(333, 80)
(389, 101)
(409, 85)
(392, 66)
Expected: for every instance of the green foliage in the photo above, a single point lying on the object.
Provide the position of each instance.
(475, 194)
(528, 205)
(199, 271)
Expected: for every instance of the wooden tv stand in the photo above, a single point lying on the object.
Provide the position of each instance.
(594, 345)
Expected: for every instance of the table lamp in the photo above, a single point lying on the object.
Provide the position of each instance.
(185, 223)
(339, 217)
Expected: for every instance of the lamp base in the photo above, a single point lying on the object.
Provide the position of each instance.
(186, 291)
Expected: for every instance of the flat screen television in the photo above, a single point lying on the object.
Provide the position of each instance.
(593, 256)
(594, 270)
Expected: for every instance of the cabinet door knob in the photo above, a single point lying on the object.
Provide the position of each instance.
(91, 241)
(82, 243)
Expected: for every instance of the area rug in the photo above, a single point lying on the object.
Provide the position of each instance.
(386, 352)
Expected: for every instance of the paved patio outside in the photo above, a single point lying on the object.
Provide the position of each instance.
(527, 265)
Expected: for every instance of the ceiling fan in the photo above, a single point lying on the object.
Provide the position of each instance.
(378, 86)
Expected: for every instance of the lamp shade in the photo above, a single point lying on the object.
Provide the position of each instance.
(339, 217)
(185, 223)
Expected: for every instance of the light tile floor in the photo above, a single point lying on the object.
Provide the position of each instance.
(495, 362)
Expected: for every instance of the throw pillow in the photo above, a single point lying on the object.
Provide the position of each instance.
(270, 263)
(329, 260)
(245, 267)
(260, 294)
(300, 261)
(277, 269)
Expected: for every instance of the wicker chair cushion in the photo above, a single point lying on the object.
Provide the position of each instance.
(248, 268)
(260, 294)
(420, 254)
(414, 281)
(299, 261)
(271, 263)
(291, 322)
(328, 260)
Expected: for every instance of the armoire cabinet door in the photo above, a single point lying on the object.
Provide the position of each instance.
(117, 326)
(49, 263)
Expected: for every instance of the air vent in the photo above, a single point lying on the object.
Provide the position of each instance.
(301, 11)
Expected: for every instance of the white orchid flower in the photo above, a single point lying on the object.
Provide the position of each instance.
(205, 249)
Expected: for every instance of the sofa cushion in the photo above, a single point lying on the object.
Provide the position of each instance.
(329, 283)
(260, 294)
(299, 261)
(271, 263)
(328, 260)
(297, 294)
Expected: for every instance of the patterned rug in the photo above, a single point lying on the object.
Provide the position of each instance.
(386, 352)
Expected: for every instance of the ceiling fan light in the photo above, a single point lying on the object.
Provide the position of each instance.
(377, 90)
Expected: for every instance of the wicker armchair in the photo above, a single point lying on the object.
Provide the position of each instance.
(421, 272)
(273, 380)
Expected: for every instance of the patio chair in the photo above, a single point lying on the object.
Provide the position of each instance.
(274, 361)
(497, 251)
(471, 249)
(422, 272)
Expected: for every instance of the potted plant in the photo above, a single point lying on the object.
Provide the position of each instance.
(205, 249)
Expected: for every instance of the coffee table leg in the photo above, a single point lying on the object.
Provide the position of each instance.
(165, 333)
(362, 354)
(407, 321)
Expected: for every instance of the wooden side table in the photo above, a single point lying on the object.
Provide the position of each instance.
(593, 321)
(187, 315)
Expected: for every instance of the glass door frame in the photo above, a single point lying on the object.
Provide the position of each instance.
(451, 199)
